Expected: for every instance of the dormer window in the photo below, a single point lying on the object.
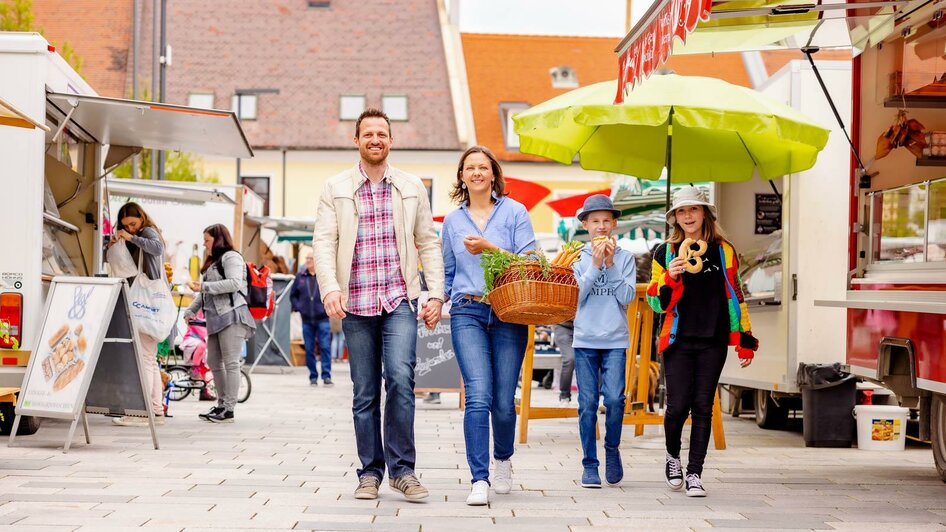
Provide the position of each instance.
(563, 77)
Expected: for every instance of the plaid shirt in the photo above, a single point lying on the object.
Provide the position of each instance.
(376, 283)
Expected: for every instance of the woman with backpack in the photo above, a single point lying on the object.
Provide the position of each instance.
(145, 246)
(220, 294)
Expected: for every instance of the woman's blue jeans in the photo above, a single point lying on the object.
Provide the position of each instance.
(490, 355)
(599, 369)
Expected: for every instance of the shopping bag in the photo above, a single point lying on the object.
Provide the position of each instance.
(152, 307)
(120, 263)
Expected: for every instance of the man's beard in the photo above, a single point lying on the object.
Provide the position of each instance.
(372, 157)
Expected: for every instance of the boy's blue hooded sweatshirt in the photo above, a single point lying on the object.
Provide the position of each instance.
(601, 321)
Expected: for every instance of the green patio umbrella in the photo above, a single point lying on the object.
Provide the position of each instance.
(700, 129)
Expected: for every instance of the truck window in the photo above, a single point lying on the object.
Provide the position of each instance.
(898, 228)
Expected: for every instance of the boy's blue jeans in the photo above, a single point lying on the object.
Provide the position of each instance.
(490, 354)
(599, 369)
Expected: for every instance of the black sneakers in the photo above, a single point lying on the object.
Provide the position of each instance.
(212, 412)
(226, 416)
(674, 472)
(695, 486)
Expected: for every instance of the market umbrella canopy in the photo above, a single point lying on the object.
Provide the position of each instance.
(711, 130)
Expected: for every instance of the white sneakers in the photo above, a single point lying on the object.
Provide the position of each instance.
(502, 477)
(695, 486)
(135, 421)
(502, 484)
(479, 495)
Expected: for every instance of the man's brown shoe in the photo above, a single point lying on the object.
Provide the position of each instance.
(409, 487)
(367, 487)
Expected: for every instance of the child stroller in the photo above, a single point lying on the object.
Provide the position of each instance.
(191, 372)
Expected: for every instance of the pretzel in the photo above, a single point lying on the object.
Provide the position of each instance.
(694, 262)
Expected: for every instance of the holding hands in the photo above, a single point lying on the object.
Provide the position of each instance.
(431, 312)
(334, 306)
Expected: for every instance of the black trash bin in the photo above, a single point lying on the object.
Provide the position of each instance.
(828, 398)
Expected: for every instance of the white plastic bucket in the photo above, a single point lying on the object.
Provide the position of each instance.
(881, 427)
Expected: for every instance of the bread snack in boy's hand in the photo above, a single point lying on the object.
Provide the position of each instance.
(693, 257)
(597, 239)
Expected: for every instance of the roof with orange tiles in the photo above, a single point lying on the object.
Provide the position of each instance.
(98, 31)
(516, 69)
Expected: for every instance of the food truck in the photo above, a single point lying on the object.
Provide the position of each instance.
(896, 295)
(894, 291)
(52, 180)
(791, 234)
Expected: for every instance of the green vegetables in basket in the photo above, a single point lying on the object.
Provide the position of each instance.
(495, 262)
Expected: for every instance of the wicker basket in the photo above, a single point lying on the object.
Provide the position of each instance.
(522, 294)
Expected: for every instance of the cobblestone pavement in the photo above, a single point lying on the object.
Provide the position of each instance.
(288, 463)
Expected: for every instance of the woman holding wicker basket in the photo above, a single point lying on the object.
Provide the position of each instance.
(488, 350)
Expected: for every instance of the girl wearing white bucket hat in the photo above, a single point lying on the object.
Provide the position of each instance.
(695, 285)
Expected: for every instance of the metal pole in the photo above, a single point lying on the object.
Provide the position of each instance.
(135, 43)
(239, 114)
(164, 66)
(284, 181)
(155, 67)
(669, 167)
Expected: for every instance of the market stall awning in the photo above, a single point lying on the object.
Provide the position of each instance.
(13, 117)
(528, 193)
(157, 126)
(170, 191)
(287, 229)
(713, 26)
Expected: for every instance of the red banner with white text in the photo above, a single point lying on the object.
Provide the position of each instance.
(653, 46)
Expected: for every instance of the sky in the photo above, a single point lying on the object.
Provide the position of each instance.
(600, 18)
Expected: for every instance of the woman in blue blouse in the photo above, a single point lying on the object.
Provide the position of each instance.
(489, 351)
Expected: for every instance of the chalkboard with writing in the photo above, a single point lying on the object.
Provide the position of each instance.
(437, 368)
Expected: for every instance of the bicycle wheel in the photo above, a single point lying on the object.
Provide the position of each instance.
(246, 386)
(178, 375)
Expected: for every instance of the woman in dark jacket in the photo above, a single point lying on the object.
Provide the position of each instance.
(307, 301)
(144, 243)
(229, 322)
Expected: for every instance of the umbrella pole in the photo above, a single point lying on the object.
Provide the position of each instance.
(669, 169)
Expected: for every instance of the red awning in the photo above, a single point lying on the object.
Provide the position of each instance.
(528, 193)
(567, 207)
(644, 50)
(731, 26)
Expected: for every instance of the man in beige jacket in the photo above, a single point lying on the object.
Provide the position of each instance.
(374, 228)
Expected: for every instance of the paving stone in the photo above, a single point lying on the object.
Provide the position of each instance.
(297, 471)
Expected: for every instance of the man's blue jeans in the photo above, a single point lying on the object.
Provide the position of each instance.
(490, 354)
(599, 369)
(383, 346)
(320, 331)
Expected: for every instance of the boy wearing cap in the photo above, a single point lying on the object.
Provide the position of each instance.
(606, 276)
